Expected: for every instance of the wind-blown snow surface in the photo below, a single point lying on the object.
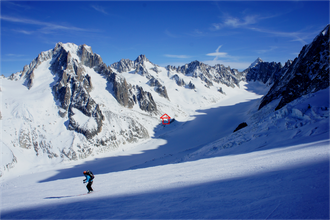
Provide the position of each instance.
(277, 167)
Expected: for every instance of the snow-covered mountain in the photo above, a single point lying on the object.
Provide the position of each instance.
(266, 72)
(67, 104)
(256, 62)
(308, 73)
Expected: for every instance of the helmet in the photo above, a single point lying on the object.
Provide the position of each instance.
(85, 172)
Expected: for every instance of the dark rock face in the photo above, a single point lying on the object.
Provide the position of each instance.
(191, 85)
(240, 126)
(265, 72)
(208, 74)
(307, 74)
(124, 65)
(84, 103)
(194, 68)
(227, 76)
(178, 80)
(256, 62)
(72, 90)
(145, 100)
(221, 91)
(159, 88)
(142, 70)
(88, 58)
(128, 95)
(122, 92)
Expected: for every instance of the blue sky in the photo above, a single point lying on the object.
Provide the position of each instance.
(233, 33)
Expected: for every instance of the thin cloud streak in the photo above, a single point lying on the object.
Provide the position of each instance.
(231, 61)
(15, 5)
(295, 35)
(236, 23)
(217, 54)
(248, 21)
(99, 9)
(47, 25)
(267, 50)
(24, 32)
(14, 55)
(168, 33)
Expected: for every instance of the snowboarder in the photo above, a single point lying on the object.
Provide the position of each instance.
(89, 179)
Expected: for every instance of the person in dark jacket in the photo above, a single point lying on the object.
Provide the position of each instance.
(89, 181)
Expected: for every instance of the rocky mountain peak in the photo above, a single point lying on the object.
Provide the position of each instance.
(256, 62)
(308, 73)
(288, 63)
(140, 59)
(125, 65)
(88, 58)
(265, 72)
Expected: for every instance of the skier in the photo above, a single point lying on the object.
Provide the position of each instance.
(89, 179)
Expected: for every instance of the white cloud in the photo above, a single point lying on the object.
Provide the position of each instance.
(227, 60)
(236, 22)
(217, 53)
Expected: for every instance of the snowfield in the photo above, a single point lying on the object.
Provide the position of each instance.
(276, 168)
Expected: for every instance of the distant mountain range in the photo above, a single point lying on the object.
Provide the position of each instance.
(68, 104)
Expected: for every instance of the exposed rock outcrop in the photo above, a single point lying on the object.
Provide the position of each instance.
(308, 73)
(178, 80)
(240, 126)
(73, 88)
(208, 74)
(266, 72)
(159, 88)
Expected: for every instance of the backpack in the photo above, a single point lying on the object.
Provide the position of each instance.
(88, 172)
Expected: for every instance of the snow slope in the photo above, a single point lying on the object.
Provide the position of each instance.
(196, 169)
(293, 185)
(40, 129)
(31, 113)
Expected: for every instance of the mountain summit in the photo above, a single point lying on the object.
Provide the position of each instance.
(256, 62)
(67, 104)
(308, 73)
(90, 107)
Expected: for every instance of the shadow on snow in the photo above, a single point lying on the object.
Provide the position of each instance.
(181, 138)
(280, 194)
